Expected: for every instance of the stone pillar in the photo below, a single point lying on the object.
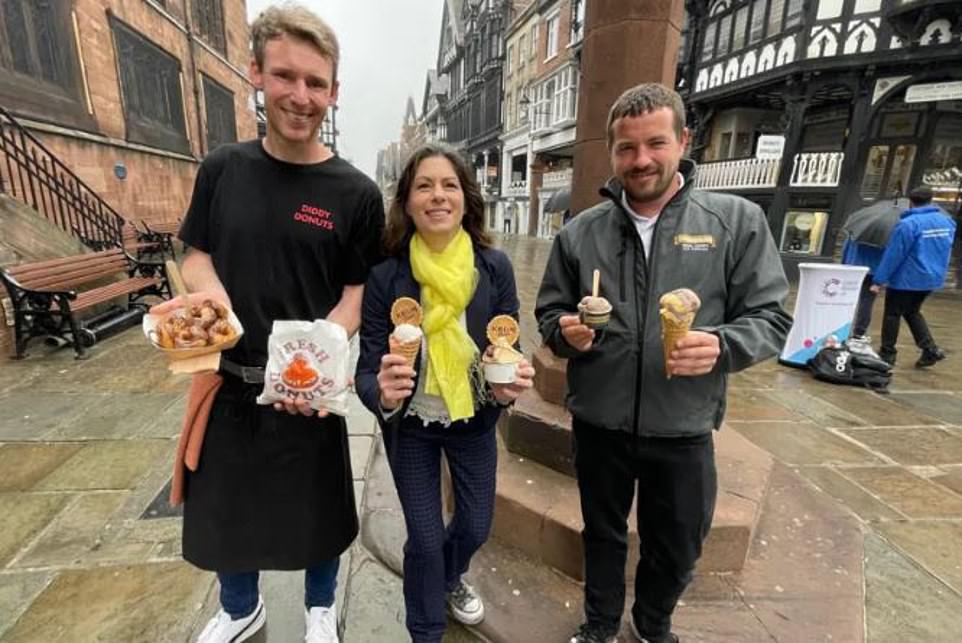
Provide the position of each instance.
(625, 44)
(535, 176)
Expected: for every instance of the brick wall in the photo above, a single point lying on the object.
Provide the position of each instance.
(158, 185)
(544, 68)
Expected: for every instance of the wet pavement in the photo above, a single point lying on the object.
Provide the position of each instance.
(85, 449)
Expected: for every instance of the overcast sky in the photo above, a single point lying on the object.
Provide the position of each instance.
(387, 46)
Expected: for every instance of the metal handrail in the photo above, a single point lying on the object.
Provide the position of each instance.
(32, 174)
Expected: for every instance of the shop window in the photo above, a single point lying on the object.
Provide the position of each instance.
(899, 124)
(878, 156)
(943, 165)
(804, 231)
(221, 122)
(151, 91)
(898, 180)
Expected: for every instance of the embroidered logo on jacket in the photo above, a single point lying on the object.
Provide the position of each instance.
(695, 242)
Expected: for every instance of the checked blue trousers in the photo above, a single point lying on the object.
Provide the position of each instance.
(436, 556)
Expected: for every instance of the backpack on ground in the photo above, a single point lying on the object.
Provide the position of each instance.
(839, 365)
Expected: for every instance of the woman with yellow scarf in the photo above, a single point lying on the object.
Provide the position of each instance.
(440, 256)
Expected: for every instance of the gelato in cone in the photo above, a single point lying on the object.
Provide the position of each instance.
(406, 342)
(677, 310)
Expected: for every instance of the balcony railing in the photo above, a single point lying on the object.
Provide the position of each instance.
(557, 179)
(817, 169)
(517, 188)
(810, 169)
(738, 175)
(30, 173)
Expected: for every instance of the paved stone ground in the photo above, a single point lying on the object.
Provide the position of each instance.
(85, 448)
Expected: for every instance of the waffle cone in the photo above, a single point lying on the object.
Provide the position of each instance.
(670, 334)
(407, 350)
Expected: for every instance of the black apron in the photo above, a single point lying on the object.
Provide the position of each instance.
(271, 491)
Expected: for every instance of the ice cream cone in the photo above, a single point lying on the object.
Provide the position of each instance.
(407, 350)
(670, 334)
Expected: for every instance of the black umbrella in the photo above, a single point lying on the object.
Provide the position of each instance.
(873, 224)
(559, 201)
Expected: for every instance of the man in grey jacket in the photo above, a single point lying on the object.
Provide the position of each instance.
(632, 423)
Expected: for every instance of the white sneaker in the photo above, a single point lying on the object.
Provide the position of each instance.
(223, 629)
(321, 624)
(465, 604)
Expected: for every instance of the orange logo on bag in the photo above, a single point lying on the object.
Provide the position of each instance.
(299, 374)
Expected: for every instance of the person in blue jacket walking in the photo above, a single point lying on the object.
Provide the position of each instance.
(914, 264)
(863, 254)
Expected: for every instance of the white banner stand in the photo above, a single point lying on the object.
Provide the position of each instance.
(827, 298)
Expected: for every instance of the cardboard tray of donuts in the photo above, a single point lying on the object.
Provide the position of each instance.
(193, 337)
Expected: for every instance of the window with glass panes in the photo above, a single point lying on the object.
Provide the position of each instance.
(724, 35)
(738, 34)
(150, 87)
(793, 17)
(757, 31)
(708, 44)
(221, 122)
(775, 12)
(554, 24)
(209, 22)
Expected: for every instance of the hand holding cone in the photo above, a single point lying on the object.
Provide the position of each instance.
(677, 310)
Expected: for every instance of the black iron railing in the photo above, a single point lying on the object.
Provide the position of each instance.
(30, 173)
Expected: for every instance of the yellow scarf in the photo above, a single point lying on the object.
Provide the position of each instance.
(447, 283)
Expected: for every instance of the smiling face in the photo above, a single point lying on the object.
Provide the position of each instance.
(436, 201)
(645, 154)
(298, 85)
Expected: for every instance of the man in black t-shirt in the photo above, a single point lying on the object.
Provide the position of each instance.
(277, 229)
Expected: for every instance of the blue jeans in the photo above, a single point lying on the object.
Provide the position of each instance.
(239, 592)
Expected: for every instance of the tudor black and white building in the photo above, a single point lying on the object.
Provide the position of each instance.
(470, 58)
(813, 108)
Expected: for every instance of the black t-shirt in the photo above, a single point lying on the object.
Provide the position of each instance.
(284, 238)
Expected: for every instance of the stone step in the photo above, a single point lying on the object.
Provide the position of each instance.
(803, 580)
(538, 509)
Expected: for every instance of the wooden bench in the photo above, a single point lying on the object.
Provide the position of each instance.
(46, 295)
(138, 243)
(162, 233)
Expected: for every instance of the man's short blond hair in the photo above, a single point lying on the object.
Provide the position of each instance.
(298, 21)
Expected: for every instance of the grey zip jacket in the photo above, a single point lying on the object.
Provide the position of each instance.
(719, 246)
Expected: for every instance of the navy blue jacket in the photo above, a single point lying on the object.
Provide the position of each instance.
(917, 254)
(495, 294)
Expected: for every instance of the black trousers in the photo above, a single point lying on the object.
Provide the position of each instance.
(677, 485)
(863, 312)
(905, 304)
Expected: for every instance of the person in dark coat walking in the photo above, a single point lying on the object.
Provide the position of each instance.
(915, 263)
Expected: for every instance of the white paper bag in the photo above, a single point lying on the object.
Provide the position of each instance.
(307, 361)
